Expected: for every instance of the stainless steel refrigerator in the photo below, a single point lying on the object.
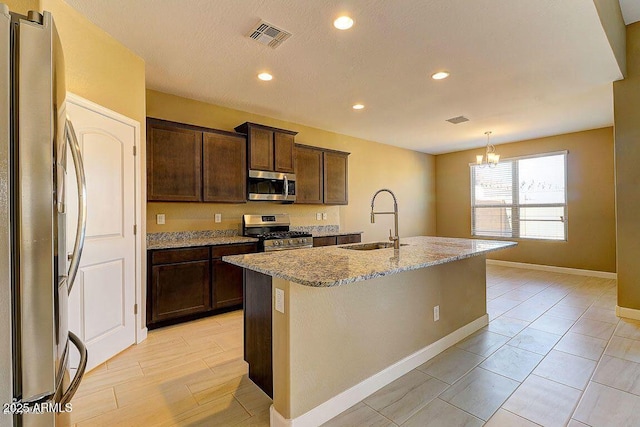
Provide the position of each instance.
(36, 269)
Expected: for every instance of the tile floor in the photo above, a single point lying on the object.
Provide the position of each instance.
(553, 354)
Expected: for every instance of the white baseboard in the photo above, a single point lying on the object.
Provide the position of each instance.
(629, 313)
(343, 401)
(141, 335)
(554, 269)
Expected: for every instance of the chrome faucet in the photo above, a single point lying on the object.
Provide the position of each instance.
(395, 239)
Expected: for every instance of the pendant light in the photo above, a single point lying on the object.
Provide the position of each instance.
(492, 158)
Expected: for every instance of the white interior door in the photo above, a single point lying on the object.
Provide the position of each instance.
(101, 305)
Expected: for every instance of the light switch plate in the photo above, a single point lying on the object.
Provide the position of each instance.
(324, 215)
(218, 217)
(436, 313)
(280, 300)
(319, 216)
(160, 219)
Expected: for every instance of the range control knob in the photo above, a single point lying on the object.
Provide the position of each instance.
(276, 242)
(290, 241)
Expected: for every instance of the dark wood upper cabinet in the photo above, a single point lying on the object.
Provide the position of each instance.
(174, 163)
(322, 175)
(283, 152)
(187, 163)
(224, 172)
(309, 174)
(270, 149)
(260, 149)
(336, 178)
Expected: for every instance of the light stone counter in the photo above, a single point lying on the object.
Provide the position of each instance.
(333, 265)
(184, 239)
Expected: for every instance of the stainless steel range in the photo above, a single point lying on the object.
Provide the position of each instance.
(273, 232)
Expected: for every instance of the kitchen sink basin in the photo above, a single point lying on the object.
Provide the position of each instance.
(371, 246)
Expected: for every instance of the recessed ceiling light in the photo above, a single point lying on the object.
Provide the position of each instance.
(343, 23)
(358, 106)
(440, 75)
(265, 76)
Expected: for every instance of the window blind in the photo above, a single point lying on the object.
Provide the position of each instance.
(523, 197)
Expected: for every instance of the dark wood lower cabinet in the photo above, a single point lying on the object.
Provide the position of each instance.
(337, 240)
(258, 330)
(348, 238)
(180, 290)
(187, 283)
(324, 241)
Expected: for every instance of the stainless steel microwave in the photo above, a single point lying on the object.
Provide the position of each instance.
(272, 186)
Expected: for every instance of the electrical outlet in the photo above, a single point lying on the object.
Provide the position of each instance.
(436, 313)
(218, 217)
(318, 216)
(160, 219)
(324, 215)
(280, 300)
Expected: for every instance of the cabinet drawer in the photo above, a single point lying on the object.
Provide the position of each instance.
(220, 251)
(179, 255)
(349, 238)
(324, 241)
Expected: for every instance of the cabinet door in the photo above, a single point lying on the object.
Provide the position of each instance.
(260, 149)
(227, 278)
(349, 238)
(336, 178)
(309, 180)
(225, 172)
(227, 284)
(324, 241)
(174, 163)
(180, 289)
(283, 151)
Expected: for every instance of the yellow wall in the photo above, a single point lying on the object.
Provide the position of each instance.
(22, 6)
(627, 151)
(371, 166)
(98, 67)
(591, 242)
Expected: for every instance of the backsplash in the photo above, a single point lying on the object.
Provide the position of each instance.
(200, 216)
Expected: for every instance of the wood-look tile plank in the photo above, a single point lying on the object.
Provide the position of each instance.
(91, 405)
(403, 397)
(543, 401)
(605, 406)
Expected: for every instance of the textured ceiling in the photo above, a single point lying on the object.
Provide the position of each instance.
(522, 69)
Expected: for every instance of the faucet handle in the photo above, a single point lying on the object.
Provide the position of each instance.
(391, 238)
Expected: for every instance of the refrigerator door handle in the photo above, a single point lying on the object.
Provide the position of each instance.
(82, 203)
(75, 383)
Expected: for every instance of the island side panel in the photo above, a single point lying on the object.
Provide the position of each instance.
(340, 336)
(258, 329)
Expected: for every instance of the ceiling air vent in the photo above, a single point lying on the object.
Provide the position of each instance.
(268, 34)
(459, 119)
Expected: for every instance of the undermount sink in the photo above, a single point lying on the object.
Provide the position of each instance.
(371, 246)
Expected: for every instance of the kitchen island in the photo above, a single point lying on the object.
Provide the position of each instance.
(326, 327)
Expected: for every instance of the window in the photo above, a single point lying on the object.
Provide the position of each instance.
(522, 197)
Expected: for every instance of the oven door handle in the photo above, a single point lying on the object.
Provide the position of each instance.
(75, 383)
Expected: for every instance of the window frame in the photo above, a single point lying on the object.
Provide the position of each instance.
(515, 206)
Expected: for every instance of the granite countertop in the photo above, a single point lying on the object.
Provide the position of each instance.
(334, 265)
(334, 233)
(184, 239)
